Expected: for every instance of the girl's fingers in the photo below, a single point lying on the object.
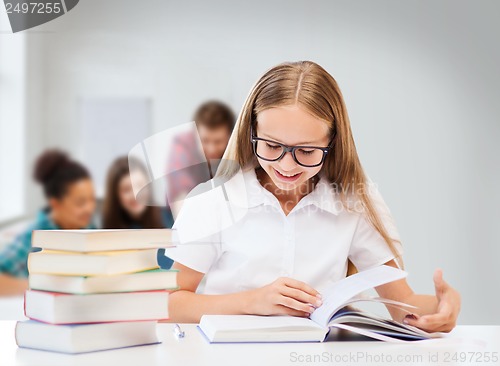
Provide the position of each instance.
(301, 296)
(294, 304)
(444, 320)
(293, 312)
(290, 282)
(432, 322)
(444, 327)
(439, 283)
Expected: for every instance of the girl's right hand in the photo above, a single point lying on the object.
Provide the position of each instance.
(284, 296)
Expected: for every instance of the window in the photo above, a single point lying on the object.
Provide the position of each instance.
(12, 121)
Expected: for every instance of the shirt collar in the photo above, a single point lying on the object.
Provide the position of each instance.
(251, 194)
(323, 197)
(44, 221)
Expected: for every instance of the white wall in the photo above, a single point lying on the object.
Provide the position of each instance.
(12, 122)
(420, 81)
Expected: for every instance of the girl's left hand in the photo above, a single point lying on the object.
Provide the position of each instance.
(445, 319)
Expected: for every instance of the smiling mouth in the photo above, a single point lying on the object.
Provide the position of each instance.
(287, 178)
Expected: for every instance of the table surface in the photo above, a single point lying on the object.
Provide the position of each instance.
(464, 345)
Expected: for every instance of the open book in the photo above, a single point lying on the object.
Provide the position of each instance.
(337, 311)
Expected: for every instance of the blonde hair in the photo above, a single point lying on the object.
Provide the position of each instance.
(309, 85)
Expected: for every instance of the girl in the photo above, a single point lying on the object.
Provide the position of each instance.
(310, 210)
(121, 210)
(70, 196)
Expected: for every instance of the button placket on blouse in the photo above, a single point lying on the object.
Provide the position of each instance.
(289, 250)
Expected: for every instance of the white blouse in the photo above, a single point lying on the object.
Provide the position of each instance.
(238, 235)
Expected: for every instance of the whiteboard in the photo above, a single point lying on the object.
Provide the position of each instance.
(111, 127)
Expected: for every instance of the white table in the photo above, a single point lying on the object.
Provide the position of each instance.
(12, 308)
(471, 341)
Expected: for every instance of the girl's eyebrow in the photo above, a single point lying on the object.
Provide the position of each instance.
(277, 140)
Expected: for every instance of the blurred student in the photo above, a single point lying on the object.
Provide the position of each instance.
(121, 210)
(214, 122)
(69, 191)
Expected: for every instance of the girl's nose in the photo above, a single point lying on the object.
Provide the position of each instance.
(287, 163)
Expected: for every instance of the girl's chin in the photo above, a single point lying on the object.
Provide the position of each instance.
(137, 212)
(82, 224)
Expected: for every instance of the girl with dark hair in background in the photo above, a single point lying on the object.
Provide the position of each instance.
(69, 191)
(121, 210)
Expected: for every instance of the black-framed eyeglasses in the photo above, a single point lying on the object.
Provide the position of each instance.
(306, 156)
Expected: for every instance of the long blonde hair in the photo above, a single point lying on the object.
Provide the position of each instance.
(309, 85)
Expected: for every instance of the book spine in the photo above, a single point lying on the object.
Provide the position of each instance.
(93, 322)
(24, 304)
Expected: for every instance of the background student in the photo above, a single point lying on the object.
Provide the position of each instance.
(214, 124)
(121, 210)
(69, 192)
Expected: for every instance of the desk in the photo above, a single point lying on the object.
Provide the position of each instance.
(12, 308)
(195, 350)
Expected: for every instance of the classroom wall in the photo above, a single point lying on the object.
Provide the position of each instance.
(419, 78)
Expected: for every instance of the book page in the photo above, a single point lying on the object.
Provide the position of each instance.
(340, 292)
(355, 316)
(397, 304)
(370, 334)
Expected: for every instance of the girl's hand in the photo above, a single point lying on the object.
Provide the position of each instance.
(284, 296)
(444, 320)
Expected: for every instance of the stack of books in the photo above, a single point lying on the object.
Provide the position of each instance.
(92, 290)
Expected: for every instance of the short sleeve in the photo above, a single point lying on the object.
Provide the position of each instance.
(368, 248)
(197, 232)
